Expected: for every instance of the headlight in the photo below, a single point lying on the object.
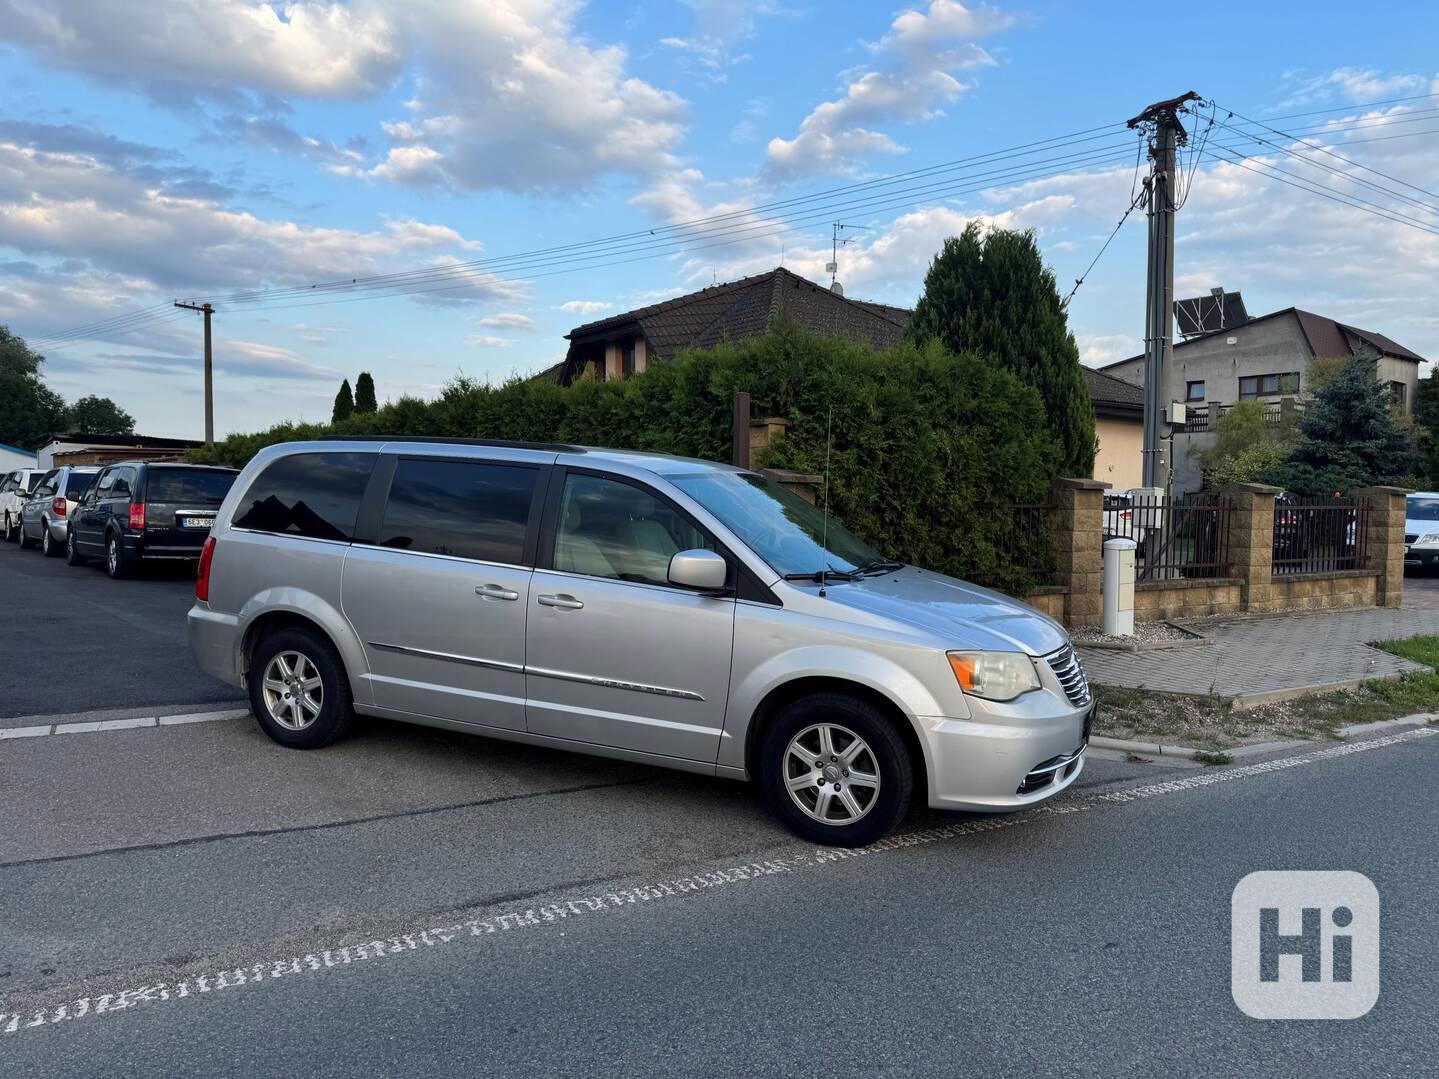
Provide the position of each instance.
(1428, 537)
(995, 676)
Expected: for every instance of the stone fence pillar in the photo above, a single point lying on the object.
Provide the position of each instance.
(1251, 543)
(1384, 541)
(1079, 547)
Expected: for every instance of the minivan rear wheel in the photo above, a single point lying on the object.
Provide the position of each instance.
(73, 557)
(12, 529)
(48, 547)
(835, 770)
(117, 563)
(299, 691)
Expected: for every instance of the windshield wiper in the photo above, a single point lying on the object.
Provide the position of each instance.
(827, 574)
(877, 565)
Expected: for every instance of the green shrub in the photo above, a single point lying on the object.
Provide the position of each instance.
(929, 449)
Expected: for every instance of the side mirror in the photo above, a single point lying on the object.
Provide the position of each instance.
(698, 569)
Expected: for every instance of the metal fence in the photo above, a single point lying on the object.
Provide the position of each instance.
(1318, 537)
(1186, 536)
(1198, 416)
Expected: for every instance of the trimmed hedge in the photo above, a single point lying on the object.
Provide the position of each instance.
(929, 449)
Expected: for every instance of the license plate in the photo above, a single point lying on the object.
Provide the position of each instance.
(196, 522)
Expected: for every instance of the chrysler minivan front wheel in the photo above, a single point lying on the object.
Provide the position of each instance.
(299, 691)
(836, 771)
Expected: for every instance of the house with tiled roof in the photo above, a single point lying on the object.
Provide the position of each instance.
(1231, 357)
(1118, 427)
(628, 343)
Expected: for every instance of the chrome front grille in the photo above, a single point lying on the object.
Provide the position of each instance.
(1065, 665)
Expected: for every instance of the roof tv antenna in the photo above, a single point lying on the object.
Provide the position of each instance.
(824, 528)
(832, 266)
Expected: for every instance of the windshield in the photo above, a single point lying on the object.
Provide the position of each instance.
(777, 524)
(1423, 509)
(188, 485)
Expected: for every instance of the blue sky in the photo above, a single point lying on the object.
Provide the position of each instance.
(213, 149)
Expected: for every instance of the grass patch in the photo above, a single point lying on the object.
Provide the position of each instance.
(1209, 724)
(1205, 756)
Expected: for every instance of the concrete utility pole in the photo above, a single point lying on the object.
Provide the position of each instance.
(207, 310)
(1162, 119)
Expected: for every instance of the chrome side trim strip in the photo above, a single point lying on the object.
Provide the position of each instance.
(469, 661)
(612, 683)
(542, 672)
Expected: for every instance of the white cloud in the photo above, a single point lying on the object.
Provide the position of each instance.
(1355, 84)
(719, 27)
(923, 53)
(508, 321)
(1096, 350)
(585, 307)
(513, 97)
(303, 47)
(487, 341)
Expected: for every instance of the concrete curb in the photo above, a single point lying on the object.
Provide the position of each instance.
(1255, 749)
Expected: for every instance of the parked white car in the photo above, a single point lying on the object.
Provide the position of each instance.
(15, 487)
(1421, 530)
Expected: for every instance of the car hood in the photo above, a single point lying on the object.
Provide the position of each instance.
(963, 615)
(1420, 528)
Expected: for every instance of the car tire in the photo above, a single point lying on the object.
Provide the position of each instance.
(12, 529)
(26, 542)
(306, 655)
(812, 727)
(117, 562)
(48, 547)
(73, 557)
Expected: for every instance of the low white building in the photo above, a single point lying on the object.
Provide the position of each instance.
(13, 457)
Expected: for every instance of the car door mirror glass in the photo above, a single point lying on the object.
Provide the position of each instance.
(699, 569)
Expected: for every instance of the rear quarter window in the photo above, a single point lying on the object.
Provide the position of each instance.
(192, 486)
(307, 494)
(77, 484)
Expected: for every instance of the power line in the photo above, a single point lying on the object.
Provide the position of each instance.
(1331, 153)
(742, 224)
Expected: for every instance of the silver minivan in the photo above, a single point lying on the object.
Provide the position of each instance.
(633, 605)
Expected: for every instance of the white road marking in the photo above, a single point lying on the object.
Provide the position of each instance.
(101, 725)
(421, 937)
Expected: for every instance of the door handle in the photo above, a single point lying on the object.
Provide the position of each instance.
(568, 603)
(495, 591)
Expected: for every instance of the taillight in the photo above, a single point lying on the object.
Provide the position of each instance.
(1126, 515)
(202, 574)
(137, 516)
(58, 505)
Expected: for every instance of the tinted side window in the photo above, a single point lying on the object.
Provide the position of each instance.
(77, 483)
(308, 494)
(470, 509)
(198, 486)
(613, 529)
(123, 484)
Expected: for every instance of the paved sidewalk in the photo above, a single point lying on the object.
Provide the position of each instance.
(1257, 657)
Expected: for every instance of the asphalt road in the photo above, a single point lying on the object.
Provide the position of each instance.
(520, 912)
(72, 640)
(194, 900)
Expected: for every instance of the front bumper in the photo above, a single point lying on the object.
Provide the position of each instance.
(1427, 557)
(997, 764)
(215, 643)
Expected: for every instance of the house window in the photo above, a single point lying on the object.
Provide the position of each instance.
(1398, 394)
(627, 358)
(1252, 386)
(1194, 391)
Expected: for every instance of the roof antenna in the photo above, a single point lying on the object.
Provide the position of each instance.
(824, 528)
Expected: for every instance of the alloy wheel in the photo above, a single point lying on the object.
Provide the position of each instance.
(46, 542)
(293, 690)
(112, 556)
(831, 773)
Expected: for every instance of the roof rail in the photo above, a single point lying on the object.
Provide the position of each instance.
(445, 440)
